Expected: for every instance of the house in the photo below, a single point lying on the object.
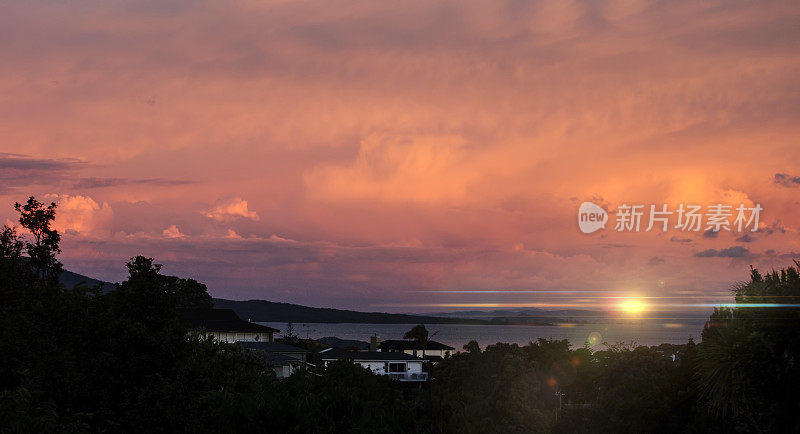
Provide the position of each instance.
(400, 366)
(344, 344)
(433, 351)
(282, 358)
(225, 326)
(298, 353)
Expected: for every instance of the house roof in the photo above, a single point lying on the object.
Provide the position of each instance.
(273, 347)
(403, 345)
(278, 353)
(222, 320)
(344, 344)
(368, 356)
(277, 359)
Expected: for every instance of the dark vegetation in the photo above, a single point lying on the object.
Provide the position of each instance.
(743, 377)
(83, 359)
(79, 359)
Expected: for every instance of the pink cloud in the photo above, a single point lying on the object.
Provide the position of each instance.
(230, 209)
(81, 215)
(233, 235)
(173, 232)
(395, 146)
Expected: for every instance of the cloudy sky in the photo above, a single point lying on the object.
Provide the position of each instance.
(402, 155)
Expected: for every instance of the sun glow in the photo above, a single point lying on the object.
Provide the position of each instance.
(633, 306)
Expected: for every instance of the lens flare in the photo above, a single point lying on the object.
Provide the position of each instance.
(594, 339)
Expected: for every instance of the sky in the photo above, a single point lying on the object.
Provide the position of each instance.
(409, 156)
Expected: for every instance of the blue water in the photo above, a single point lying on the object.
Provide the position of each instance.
(456, 335)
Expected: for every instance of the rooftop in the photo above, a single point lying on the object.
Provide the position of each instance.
(273, 347)
(344, 344)
(277, 359)
(222, 320)
(414, 345)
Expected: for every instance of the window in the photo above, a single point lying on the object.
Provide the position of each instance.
(397, 367)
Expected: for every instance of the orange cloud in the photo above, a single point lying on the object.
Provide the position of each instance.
(428, 169)
(233, 235)
(172, 232)
(81, 215)
(230, 209)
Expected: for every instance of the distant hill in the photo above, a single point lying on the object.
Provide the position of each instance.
(70, 279)
(270, 311)
(262, 310)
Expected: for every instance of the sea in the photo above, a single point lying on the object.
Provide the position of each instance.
(596, 335)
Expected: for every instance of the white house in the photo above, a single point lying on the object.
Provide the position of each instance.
(400, 366)
(225, 326)
(433, 351)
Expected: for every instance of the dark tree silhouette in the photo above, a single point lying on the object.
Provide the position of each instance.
(748, 359)
(418, 333)
(184, 293)
(38, 218)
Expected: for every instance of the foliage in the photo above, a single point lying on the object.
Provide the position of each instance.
(502, 389)
(344, 398)
(742, 377)
(37, 219)
(78, 360)
(748, 365)
(183, 293)
(418, 333)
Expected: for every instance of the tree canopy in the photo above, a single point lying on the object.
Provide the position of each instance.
(78, 359)
(418, 333)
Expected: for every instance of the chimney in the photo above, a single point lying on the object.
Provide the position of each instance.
(374, 342)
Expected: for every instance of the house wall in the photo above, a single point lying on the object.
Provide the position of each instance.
(418, 353)
(282, 371)
(412, 367)
(379, 367)
(376, 367)
(231, 337)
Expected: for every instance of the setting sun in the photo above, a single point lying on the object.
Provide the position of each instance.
(633, 305)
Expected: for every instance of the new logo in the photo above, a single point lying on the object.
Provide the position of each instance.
(591, 217)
